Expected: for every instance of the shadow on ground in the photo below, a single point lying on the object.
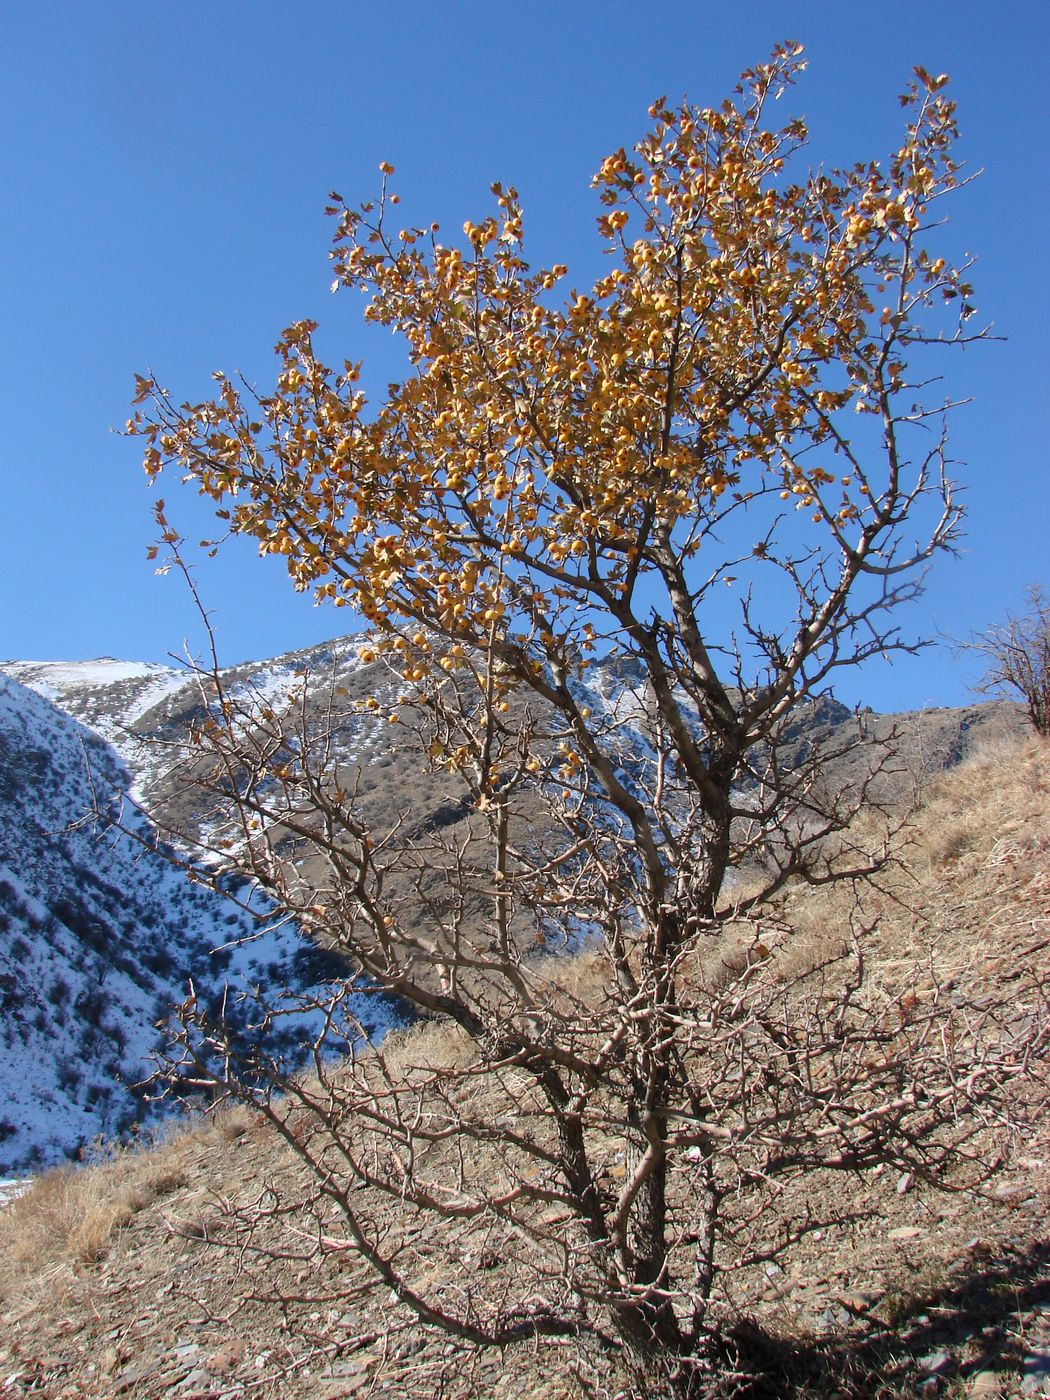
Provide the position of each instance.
(989, 1316)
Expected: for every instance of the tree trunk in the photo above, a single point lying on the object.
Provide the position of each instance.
(653, 1334)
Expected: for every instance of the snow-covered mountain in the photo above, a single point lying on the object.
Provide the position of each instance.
(100, 933)
(107, 695)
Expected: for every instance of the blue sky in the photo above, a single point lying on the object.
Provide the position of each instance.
(164, 170)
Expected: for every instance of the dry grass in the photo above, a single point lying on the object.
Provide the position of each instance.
(70, 1216)
(983, 831)
(991, 814)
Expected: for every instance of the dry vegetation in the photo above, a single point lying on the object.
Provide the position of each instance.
(182, 1268)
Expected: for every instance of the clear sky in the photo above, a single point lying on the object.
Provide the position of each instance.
(164, 169)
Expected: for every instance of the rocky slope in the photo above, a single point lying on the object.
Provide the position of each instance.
(114, 1280)
(145, 710)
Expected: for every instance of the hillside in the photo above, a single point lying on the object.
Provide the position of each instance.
(102, 936)
(145, 710)
(136, 1277)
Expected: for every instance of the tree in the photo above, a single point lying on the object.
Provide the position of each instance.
(541, 524)
(1018, 654)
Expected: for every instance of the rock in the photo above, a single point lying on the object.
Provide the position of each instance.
(904, 1183)
(775, 1291)
(1035, 1374)
(128, 1380)
(1011, 1190)
(833, 1318)
(985, 1385)
(905, 1232)
(340, 1386)
(186, 1229)
(198, 1382)
(173, 1376)
(858, 1302)
(229, 1355)
(937, 1362)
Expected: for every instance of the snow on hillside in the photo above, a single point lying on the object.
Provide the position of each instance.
(106, 694)
(133, 704)
(101, 934)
